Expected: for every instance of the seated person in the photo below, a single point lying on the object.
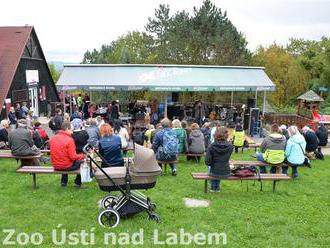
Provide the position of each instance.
(79, 135)
(196, 141)
(20, 141)
(165, 144)
(272, 149)
(217, 157)
(63, 153)
(206, 130)
(284, 131)
(41, 131)
(110, 147)
(238, 137)
(4, 125)
(93, 133)
(294, 151)
(181, 135)
(312, 142)
(322, 135)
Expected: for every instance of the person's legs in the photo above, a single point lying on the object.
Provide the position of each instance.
(75, 166)
(64, 180)
(273, 170)
(173, 168)
(294, 171)
(262, 169)
(215, 185)
(236, 149)
(285, 170)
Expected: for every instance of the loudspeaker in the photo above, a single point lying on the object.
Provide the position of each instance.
(251, 103)
(175, 96)
(253, 119)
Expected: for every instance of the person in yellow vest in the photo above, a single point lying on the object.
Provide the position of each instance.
(272, 149)
(238, 137)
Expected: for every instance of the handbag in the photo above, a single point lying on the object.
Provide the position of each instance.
(85, 173)
(245, 171)
(307, 161)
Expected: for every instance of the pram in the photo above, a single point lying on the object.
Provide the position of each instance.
(140, 173)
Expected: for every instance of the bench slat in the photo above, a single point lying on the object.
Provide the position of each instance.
(272, 177)
(255, 163)
(43, 170)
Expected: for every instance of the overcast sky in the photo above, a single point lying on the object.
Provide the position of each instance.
(67, 28)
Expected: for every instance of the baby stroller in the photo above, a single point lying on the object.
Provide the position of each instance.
(140, 173)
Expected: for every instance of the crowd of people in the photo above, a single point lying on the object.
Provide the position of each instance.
(23, 134)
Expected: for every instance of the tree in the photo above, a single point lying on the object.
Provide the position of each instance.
(54, 73)
(289, 76)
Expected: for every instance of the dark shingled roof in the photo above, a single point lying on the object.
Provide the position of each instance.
(12, 44)
(310, 96)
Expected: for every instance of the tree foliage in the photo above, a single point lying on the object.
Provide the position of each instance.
(54, 72)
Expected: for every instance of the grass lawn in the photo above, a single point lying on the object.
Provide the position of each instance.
(297, 215)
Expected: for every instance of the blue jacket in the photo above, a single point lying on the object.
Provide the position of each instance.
(110, 149)
(295, 148)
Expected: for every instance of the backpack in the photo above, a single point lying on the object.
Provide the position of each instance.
(245, 171)
(170, 144)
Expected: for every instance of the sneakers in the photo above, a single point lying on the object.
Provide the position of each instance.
(64, 185)
(295, 175)
(214, 190)
(174, 173)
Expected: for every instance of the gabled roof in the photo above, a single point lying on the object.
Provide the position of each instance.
(164, 78)
(13, 41)
(12, 44)
(310, 96)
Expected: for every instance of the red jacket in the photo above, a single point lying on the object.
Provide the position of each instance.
(63, 151)
(42, 133)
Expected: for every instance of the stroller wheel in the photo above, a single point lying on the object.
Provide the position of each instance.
(154, 217)
(108, 202)
(109, 218)
(152, 206)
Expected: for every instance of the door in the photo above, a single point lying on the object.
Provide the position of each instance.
(33, 97)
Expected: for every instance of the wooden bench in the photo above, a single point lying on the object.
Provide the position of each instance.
(165, 163)
(255, 163)
(34, 170)
(25, 160)
(195, 156)
(262, 177)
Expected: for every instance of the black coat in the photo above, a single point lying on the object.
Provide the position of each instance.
(3, 135)
(312, 141)
(12, 118)
(322, 134)
(217, 157)
(80, 139)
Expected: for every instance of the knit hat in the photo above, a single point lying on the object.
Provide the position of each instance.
(76, 124)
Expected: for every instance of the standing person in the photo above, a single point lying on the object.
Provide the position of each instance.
(12, 118)
(18, 112)
(294, 151)
(217, 157)
(24, 110)
(63, 153)
(110, 147)
(181, 134)
(312, 141)
(20, 140)
(322, 135)
(122, 132)
(272, 149)
(55, 123)
(93, 133)
(165, 144)
(79, 135)
(199, 112)
(79, 102)
(115, 110)
(92, 110)
(196, 141)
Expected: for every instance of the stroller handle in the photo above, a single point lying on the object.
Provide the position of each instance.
(88, 148)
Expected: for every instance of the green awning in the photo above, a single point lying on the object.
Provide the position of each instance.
(174, 78)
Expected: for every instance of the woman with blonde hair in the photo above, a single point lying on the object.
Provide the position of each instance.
(294, 150)
(110, 147)
(181, 134)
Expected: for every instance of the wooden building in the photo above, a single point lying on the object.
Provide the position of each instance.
(24, 73)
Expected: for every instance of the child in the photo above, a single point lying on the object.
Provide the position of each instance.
(217, 157)
(238, 137)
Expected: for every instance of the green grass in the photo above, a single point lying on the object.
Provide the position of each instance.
(297, 215)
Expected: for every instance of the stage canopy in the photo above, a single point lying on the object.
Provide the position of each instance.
(174, 78)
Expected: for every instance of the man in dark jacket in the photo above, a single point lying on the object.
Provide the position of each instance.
(12, 118)
(322, 135)
(217, 157)
(20, 141)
